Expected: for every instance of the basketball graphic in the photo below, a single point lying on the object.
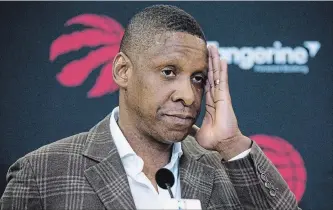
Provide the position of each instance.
(105, 34)
(286, 159)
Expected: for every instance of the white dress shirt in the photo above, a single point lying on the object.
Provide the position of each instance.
(144, 194)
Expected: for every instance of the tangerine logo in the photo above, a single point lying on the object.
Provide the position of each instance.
(104, 33)
(286, 159)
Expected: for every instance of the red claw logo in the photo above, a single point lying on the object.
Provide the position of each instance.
(103, 32)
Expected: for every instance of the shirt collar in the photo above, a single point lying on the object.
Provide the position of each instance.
(125, 150)
(177, 152)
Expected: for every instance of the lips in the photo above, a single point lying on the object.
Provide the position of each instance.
(182, 116)
(179, 120)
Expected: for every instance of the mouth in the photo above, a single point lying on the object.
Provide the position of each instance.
(181, 116)
(180, 120)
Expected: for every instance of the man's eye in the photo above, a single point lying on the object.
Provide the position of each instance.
(199, 79)
(168, 73)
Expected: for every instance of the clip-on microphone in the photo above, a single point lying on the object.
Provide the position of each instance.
(165, 179)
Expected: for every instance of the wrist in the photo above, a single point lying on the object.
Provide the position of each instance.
(233, 146)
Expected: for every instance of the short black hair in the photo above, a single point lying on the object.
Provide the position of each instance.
(156, 19)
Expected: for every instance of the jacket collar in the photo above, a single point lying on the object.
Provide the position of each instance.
(109, 179)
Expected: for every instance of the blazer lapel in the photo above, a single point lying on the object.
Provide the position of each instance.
(109, 180)
(108, 177)
(196, 178)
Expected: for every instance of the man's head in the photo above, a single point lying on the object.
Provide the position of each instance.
(161, 71)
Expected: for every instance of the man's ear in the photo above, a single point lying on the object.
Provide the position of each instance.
(121, 70)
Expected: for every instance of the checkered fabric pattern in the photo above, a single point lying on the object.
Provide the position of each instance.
(84, 172)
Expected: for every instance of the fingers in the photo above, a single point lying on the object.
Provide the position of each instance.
(218, 76)
(216, 67)
(216, 73)
(209, 92)
(224, 84)
(218, 96)
(210, 72)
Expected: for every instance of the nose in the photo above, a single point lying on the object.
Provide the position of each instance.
(184, 92)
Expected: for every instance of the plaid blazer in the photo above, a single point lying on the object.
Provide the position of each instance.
(84, 172)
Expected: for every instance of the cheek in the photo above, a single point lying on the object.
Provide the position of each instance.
(137, 91)
(145, 94)
(199, 93)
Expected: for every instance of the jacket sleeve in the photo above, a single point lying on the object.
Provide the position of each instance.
(21, 191)
(258, 183)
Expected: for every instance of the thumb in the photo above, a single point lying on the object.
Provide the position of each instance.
(194, 130)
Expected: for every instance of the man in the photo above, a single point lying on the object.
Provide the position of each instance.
(163, 69)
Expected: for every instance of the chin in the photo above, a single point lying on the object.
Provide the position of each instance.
(170, 137)
(169, 134)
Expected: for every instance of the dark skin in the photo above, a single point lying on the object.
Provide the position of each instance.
(160, 97)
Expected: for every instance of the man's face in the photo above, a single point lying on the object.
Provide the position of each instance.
(166, 86)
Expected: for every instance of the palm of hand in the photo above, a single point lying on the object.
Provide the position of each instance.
(219, 124)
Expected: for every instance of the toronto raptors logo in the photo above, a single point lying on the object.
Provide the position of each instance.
(286, 159)
(103, 32)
